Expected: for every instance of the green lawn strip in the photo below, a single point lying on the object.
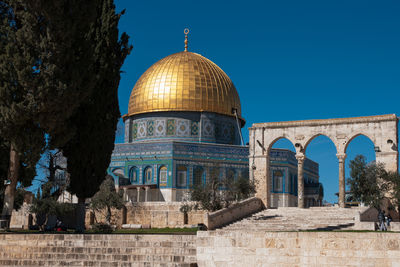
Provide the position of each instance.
(185, 231)
(157, 231)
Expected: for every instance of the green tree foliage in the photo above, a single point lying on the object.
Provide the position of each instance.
(46, 201)
(59, 72)
(18, 74)
(106, 199)
(89, 151)
(45, 56)
(45, 204)
(217, 193)
(368, 182)
(393, 179)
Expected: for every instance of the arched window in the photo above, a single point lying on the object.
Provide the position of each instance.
(230, 174)
(133, 175)
(163, 176)
(278, 177)
(198, 176)
(118, 172)
(181, 176)
(148, 175)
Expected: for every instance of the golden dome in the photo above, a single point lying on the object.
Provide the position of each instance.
(184, 81)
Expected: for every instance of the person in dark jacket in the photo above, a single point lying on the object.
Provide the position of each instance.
(381, 219)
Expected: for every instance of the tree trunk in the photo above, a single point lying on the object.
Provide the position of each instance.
(108, 217)
(80, 215)
(9, 193)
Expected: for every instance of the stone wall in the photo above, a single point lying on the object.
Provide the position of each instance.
(241, 248)
(20, 219)
(237, 211)
(161, 214)
(212, 248)
(149, 214)
(97, 250)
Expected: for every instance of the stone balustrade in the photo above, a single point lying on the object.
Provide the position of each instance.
(235, 212)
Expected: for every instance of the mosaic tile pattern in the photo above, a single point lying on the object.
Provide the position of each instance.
(215, 129)
(194, 128)
(170, 127)
(160, 128)
(150, 128)
(142, 129)
(134, 130)
(183, 128)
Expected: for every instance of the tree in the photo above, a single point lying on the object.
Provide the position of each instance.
(368, 182)
(393, 179)
(217, 193)
(45, 204)
(46, 72)
(89, 150)
(54, 165)
(107, 198)
(18, 59)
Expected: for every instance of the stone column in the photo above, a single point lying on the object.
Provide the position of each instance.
(262, 179)
(342, 181)
(146, 196)
(126, 197)
(138, 194)
(300, 180)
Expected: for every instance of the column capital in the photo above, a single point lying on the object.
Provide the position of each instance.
(341, 157)
(300, 157)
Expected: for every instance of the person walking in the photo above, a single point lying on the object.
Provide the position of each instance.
(381, 219)
(388, 220)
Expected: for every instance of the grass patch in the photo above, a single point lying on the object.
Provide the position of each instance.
(165, 231)
(157, 231)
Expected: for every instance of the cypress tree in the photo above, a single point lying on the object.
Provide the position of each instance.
(21, 134)
(47, 69)
(89, 151)
(50, 66)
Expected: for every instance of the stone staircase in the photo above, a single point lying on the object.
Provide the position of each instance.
(295, 219)
(97, 250)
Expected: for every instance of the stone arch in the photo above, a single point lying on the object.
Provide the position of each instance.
(276, 139)
(353, 136)
(309, 140)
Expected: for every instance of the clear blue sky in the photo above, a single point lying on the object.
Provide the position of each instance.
(289, 60)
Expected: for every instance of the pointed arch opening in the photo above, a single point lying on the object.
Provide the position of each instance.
(322, 150)
(282, 143)
(359, 144)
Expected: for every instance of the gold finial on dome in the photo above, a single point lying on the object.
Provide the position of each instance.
(186, 31)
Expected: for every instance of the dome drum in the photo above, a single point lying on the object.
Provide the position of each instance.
(183, 126)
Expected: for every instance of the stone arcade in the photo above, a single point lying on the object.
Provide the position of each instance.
(382, 130)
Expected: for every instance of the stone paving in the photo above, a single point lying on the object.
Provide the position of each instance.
(295, 219)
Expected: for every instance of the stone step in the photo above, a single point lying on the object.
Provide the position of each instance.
(29, 262)
(294, 219)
